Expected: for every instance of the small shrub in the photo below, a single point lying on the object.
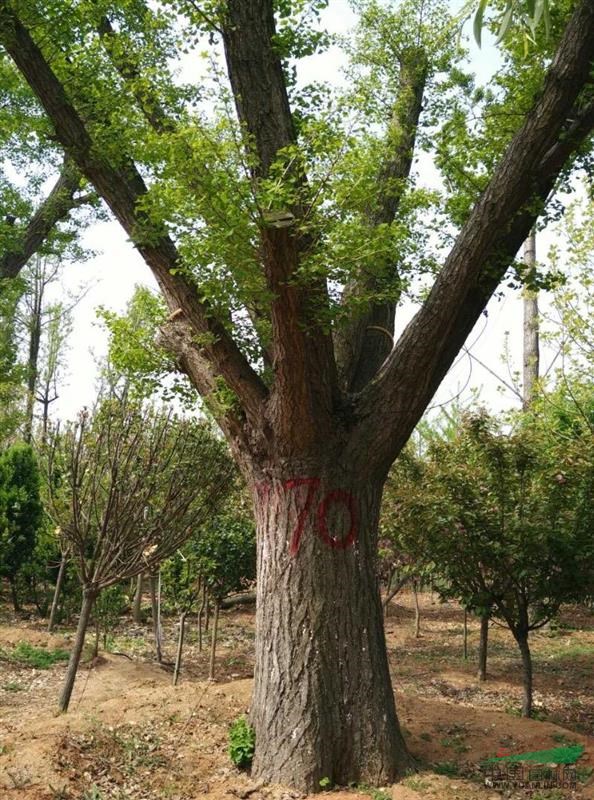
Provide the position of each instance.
(242, 743)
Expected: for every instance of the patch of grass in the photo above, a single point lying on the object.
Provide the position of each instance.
(455, 743)
(446, 768)
(375, 794)
(553, 794)
(416, 783)
(93, 794)
(583, 774)
(13, 686)
(562, 738)
(37, 657)
(572, 650)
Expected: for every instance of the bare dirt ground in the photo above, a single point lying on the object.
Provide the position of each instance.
(131, 734)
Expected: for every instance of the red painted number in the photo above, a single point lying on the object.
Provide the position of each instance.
(335, 497)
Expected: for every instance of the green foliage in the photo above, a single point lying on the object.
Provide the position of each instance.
(527, 14)
(242, 743)
(225, 554)
(108, 607)
(503, 516)
(325, 783)
(37, 657)
(134, 353)
(21, 510)
(446, 768)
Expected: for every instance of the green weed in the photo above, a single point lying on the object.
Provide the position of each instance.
(242, 743)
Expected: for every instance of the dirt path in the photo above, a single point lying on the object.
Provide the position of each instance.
(130, 734)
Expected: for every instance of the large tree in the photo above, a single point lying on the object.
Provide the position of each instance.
(249, 227)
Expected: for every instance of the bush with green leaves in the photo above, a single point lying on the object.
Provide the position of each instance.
(225, 553)
(242, 743)
(21, 511)
(504, 518)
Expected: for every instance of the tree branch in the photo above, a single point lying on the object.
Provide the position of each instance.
(56, 206)
(305, 388)
(486, 245)
(122, 187)
(361, 346)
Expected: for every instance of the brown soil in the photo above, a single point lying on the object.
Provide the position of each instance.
(131, 734)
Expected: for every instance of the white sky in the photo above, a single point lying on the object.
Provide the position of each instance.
(117, 268)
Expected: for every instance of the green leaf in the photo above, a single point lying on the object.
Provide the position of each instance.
(478, 20)
(505, 23)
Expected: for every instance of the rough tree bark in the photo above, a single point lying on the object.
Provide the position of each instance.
(322, 705)
(77, 648)
(315, 443)
(483, 647)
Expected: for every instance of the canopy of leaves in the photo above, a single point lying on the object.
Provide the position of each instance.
(503, 517)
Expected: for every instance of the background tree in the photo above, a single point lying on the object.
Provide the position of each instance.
(503, 517)
(22, 512)
(249, 226)
(128, 496)
(225, 554)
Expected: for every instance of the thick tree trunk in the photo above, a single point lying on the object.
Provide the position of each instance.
(483, 645)
(57, 591)
(180, 647)
(522, 640)
(213, 642)
(136, 607)
(75, 654)
(323, 705)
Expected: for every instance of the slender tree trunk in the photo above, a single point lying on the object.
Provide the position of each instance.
(136, 607)
(213, 641)
(323, 705)
(97, 637)
(206, 612)
(465, 634)
(76, 652)
(156, 619)
(201, 617)
(531, 326)
(400, 583)
(483, 646)
(417, 610)
(14, 594)
(180, 647)
(57, 591)
(522, 640)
